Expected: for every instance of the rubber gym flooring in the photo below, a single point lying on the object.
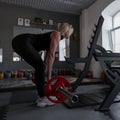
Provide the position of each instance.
(20, 105)
(17, 102)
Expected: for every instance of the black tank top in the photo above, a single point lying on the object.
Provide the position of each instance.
(41, 41)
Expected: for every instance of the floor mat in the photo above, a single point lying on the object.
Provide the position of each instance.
(23, 96)
(7, 85)
(89, 99)
(3, 112)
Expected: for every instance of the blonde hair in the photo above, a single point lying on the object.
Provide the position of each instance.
(64, 27)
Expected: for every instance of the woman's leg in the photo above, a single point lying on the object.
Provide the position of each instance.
(32, 57)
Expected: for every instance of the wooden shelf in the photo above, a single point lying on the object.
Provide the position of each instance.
(37, 24)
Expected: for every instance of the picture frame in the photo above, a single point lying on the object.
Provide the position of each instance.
(20, 21)
(27, 22)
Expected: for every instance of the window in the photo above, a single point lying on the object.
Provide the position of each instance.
(1, 55)
(115, 33)
(111, 27)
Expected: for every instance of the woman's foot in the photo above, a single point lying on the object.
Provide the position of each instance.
(43, 102)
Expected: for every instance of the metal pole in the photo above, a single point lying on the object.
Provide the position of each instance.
(67, 94)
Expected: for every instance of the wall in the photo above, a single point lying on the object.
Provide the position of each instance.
(88, 18)
(8, 19)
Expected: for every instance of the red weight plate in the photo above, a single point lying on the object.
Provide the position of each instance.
(53, 85)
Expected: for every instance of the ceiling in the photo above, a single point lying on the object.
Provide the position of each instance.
(63, 6)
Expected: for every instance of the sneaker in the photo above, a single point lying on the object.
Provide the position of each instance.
(44, 102)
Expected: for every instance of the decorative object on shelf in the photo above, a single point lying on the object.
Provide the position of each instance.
(29, 74)
(27, 22)
(1, 75)
(42, 21)
(20, 21)
(7, 74)
(14, 74)
(38, 20)
(20, 74)
(50, 22)
(75, 36)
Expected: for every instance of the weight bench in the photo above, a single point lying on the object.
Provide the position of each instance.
(108, 93)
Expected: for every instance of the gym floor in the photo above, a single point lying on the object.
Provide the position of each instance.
(20, 105)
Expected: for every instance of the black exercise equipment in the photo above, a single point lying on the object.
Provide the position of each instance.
(108, 94)
(113, 75)
(88, 58)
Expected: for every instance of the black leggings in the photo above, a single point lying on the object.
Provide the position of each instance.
(26, 50)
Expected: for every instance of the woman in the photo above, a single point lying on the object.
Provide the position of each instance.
(28, 47)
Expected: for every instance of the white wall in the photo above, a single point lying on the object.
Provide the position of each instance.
(88, 18)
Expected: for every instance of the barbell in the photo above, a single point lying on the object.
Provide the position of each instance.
(60, 88)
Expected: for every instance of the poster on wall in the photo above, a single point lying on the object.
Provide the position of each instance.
(27, 22)
(20, 21)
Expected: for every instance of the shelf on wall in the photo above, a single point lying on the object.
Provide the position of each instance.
(37, 24)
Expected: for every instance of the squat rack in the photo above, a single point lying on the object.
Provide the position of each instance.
(103, 57)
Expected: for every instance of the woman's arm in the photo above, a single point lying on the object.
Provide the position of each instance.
(55, 38)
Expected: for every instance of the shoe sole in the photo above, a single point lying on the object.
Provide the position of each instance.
(45, 106)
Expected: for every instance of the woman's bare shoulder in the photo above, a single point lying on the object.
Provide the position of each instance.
(55, 34)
